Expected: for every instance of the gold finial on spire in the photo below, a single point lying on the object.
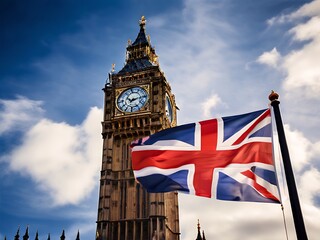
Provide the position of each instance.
(142, 21)
(112, 67)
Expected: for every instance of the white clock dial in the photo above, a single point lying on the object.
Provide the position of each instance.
(132, 99)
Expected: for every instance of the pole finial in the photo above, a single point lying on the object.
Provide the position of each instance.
(273, 96)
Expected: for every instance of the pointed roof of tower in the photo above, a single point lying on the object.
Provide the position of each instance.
(141, 38)
(140, 53)
(135, 65)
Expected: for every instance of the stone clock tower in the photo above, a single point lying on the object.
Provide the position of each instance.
(138, 102)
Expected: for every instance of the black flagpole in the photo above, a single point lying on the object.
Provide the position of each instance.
(293, 194)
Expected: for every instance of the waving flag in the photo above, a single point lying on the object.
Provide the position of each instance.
(228, 158)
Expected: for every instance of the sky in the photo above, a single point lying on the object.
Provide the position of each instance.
(221, 58)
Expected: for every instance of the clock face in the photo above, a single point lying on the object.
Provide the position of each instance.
(132, 99)
(169, 108)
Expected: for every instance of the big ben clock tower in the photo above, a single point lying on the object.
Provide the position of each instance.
(138, 102)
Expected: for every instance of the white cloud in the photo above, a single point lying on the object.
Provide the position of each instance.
(300, 148)
(307, 10)
(19, 114)
(271, 58)
(62, 159)
(310, 9)
(210, 104)
(307, 31)
(302, 65)
(310, 190)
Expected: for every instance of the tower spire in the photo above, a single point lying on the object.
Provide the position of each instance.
(26, 235)
(17, 236)
(141, 38)
(203, 236)
(62, 237)
(199, 233)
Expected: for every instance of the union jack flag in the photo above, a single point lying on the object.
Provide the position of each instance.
(228, 158)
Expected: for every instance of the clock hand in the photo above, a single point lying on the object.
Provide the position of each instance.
(133, 99)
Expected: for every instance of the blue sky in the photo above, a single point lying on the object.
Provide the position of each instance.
(220, 57)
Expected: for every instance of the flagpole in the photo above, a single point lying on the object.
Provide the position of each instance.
(293, 194)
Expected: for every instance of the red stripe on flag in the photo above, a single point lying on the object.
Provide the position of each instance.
(252, 152)
(245, 134)
(262, 190)
(209, 134)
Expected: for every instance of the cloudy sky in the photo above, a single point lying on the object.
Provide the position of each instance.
(221, 57)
